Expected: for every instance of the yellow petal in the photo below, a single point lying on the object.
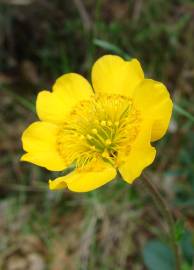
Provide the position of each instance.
(68, 90)
(141, 155)
(112, 75)
(83, 181)
(39, 140)
(153, 100)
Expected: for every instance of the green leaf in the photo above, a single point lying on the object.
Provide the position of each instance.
(186, 266)
(23, 101)
(183, 112)
(158, 256)
(179, 229)
(187, 243)
(110, 47)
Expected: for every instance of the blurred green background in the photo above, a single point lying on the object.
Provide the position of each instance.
(116, 227)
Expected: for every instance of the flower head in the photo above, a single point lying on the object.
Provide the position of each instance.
(100, 130)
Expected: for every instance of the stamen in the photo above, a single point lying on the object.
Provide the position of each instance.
(98, 128)
(96, 121)
(108, 142)
(103, 123)
(89, 137)
(94, 131)
(105, 154)
(109, 123)
(92, 147)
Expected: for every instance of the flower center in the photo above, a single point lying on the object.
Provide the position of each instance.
(100, 128)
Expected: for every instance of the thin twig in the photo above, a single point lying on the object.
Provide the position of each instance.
(17, 2)
(20, 188)
(163, 208)
(87, 23)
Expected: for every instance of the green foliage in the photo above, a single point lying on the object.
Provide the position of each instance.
(158, 256)
(187, 243)
(110, 48)
(183, 112)
(186, 266)
(179, 230)
(103, 229)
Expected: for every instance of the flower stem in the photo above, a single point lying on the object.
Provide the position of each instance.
(163, 208)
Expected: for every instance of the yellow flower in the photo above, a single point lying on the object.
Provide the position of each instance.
(98, 131)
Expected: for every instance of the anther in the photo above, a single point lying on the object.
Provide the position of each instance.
(94, 131)
(103, 123)
(109, 123)
(108, 142)
(92, 147)
(89, 137)
(105, 154)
